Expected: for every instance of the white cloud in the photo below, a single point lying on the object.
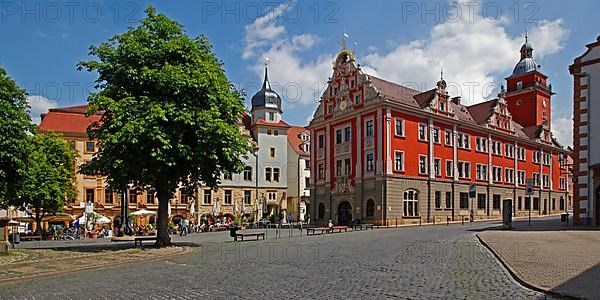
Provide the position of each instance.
(39, 105)
(472, 51)
(296, 80)
(563, 130)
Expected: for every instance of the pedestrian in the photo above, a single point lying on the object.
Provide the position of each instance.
(330, 225)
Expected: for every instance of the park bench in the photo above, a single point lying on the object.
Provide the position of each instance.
(363, 226)
(313, 230)
(25, 238)
(219, 228)
(139, 239)
(339, 228)
(242, 235)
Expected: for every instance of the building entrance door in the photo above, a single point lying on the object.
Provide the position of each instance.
(344, 213)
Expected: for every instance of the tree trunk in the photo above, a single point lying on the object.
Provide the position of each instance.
(38, 222)
(162, 233)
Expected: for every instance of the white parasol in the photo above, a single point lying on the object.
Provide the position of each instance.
(103, 220)
(143, 213)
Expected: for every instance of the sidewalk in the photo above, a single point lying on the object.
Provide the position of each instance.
(549, 256)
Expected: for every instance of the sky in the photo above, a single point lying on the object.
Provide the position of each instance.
(475, 43)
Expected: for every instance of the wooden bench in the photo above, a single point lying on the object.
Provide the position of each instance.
(25, 238)
(363, 226)
(219, 228)
(139, 239)
(242, 235)
(339, 229)
(313, 230)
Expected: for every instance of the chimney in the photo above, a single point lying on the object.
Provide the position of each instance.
(456, 100)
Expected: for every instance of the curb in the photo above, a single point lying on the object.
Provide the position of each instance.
(184, 250)
(518, 279)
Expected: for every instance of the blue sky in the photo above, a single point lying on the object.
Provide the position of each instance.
(476, 43)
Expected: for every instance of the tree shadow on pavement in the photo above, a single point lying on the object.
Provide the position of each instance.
(585, 285)
(543, 224)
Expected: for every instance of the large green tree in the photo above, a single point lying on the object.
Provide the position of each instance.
(169, 114)
(50, 177)
(15, 126)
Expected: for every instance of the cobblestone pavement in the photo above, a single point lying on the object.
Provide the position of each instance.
(417, 262)
(551, 257)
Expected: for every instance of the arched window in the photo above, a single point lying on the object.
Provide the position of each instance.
(411, 203)
(321, 210)
(370, 208)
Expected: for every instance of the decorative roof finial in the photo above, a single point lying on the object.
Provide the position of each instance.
(266, 84)
(266, 61)
(442, 74)
(343, 42)
(526, 35)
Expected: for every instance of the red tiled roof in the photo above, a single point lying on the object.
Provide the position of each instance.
(394, 91)
(278, 124)
(424, 98)
(67, 121)
(295, 141)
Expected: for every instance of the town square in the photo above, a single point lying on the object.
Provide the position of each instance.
(296, 149)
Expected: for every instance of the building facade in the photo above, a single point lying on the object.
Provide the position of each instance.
(385, 153)
(586, 146)
(298, 173)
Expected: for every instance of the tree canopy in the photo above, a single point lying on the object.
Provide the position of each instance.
(50, 176)
(15, 127)
(170, 116)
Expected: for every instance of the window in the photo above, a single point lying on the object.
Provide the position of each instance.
(132, 196)
(370, 208)
(150, 197)
(269, 132)
(338, 136)
(482, 172)
(272, 152)
(227, 176)
(307, 164)
(546, 181)
(321, 174)
(510, 175)
(247, 197)
(496, 202)
(270, 116)
(438, 199)
(275, 132)
(90, 146)
(347, 166)
(347, 134)
(227, 197)
(422, 132)
(422, 164)
(464, 170)
(448, 137)
(448, 200)
(497, 174)
(320, 141)
(369, 162)
(521, 177)
(436, 135)
(528, 203)
(89, 195)
(207, 197)
(357, 99)
(338, 168)
(399, 127)
(449, 168)
(562, 184)
(442, 105)
(547, 159)
(321, 212)
(553, 203)
(411, 203)
(268, 174)
(536, 179)
(108, 196)
(481, 200)
(464, 141)
(276, 174)
(561, 203)
(496, 148)
(437, 166)
(520, 203)
(352, 84)
(509, 150)
(536, 157)
(248, 173)
(307, 182)
(399, 161)
(464, 200)
(521, 153)
(536, 203)
(519, 85)
(369, 127)
(481, 144)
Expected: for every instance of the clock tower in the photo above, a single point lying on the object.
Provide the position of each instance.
(528, 94)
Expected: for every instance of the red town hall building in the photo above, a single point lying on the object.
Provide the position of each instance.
(383, 152)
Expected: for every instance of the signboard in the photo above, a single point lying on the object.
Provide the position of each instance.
(89, 207)
(529, 187)
(472, 190)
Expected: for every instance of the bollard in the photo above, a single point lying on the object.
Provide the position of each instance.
(396, 222)
(420, 221)
(447, 221)
(463, 221)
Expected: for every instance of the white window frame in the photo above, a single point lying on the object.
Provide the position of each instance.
(437, 166)
(449, 166)
(396, 127)
(423, 159)
(422, 128)
(401, 169)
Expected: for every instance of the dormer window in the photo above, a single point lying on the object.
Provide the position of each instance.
(442, 105)
(519, 85)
